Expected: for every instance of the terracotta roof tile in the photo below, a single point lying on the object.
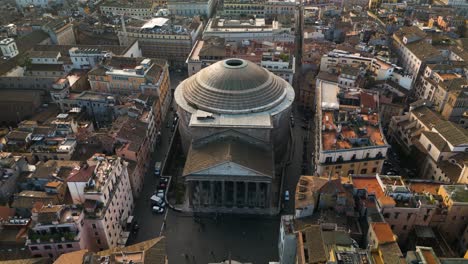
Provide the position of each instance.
(383, 232)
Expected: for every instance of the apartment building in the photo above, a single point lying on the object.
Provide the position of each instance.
(402, 209)
(142, 9)
(382, 241)
(445, 85)
(455, 199)
(321, 193)
(439, 145)
(11, 167)
(9, 48)
(56, 230)
(281, 7)
(414, 49)
(242, 7)
(349, 135)
(252, 29)
(403, 129)
(102, 187)
(186, 8)
(54, 139)
(380, 70)
(134, 144)
(169, 39)
(276, 57)
(122, 75)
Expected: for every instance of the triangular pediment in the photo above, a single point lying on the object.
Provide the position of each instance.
(229, 168)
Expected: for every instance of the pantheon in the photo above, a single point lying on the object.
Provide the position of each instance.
(234, 126)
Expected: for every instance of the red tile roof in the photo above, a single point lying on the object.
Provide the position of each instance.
(383, 232)
(81, 175)
(370, 184)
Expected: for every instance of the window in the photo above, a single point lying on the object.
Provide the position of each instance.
(429, 147)
(47, 247)
(94, 226)
(328, 159)
(393, 227)
(59, 246)
(363, 171)
(99, 241)
(69, 245)
(33, 248)
(374, 170)
(404, 227)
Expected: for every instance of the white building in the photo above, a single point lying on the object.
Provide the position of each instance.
(380, 69)
(45, 57)
(192, 8)
(141, 9)
(282, 68)
(253, 29)
(9, 48)
(87, 58)
(102, 186)
(414, 49)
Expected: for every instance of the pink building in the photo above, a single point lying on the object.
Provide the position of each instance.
(400, 207)
(102, 186)
(57, 229)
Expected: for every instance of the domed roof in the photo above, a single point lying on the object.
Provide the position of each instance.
(234, 86)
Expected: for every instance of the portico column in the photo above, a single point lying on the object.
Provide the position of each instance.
(246, 194)
(190, 193)
(223, 193)
(212, 193)
(235, 193)
(268, 195)
(257, 194)
(200, 193)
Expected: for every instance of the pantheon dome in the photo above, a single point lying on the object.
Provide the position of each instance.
(234, 94)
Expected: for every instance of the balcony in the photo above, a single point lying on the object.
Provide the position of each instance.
(46, 238)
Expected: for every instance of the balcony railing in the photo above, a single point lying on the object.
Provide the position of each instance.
(36, 238)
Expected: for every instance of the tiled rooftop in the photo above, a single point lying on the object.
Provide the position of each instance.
(368, 183)
(349, 127)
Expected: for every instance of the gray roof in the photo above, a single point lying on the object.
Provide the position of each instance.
(229, 150)
(454, 134)
(435, 139)
(234, 86)
(428, 117)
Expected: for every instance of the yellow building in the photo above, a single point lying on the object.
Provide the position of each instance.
(455, 198)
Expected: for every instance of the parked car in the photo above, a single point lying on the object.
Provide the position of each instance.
(158, 209)
(155, 200)
(157, 168)
(160, 194)
(286, 195)
(163, 180)
(162, 186)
